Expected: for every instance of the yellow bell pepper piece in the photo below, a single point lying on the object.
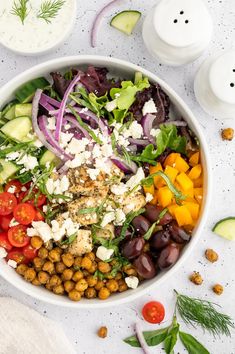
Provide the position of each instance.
(194, 159)
(184, 181)
(170, 160)
(164, 196)
(154, 169)
(198, 182)
(198, 194)
(149, 189)
(193, 208)
(183, 216)
(195, 172)
(154, 200)
(171, 208)
(171, 172)
(180, 164)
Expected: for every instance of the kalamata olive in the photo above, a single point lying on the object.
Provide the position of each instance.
(168, 256)
(177, 233)
(145, 266)
(133, 248)
(160, 240)
(152, 213)
(141, 224)
(118, 230)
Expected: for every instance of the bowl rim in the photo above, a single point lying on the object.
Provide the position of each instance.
(85, 60)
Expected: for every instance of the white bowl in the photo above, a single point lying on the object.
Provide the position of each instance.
(122, 69)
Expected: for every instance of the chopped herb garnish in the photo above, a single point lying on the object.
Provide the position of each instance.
(69, 240)
(129, 217)
(20, 9)
(49, 9)
(148, 234)
(86, 211)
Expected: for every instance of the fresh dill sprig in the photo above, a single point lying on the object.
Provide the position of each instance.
(203, 313)
(49, 9)
(20, 9)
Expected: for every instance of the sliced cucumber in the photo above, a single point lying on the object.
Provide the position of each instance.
(26, 92)
(226, 228)
(23, 109)
(48, 156)
(8, 169)
(18, 128)
(3, 121)
(9, 110)
(126, 21)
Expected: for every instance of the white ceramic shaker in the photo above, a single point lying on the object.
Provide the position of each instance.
(214, 85)
(176, 32)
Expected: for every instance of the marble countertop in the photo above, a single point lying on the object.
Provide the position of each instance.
(81, 326)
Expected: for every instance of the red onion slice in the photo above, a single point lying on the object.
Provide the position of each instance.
(54, 103)
(140, 336)
(63, 105)
(139, 142)
(75, 123)
(147, 124)
(124, 166)
(98, 20)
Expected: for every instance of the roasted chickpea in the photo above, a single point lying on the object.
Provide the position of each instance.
(86, 263)
(129, 270)
(102, 332)
(77, 262)
(58, 289)
(93, 268)
(38, 263)
(48, 287)
(42, 253)
(36, 282)
(112, 285)
(67, 274)
(69, 285)
(122, 286)
(196, 278)
(211, 255)
(104, 293)
(85, 273)
(60, 267)
(59, 250)
(99, 285)
(21, 269)
(29, 274)
(55, 280)
(91, 255)
(90, 293)
(54, 255)
(218, 289)
(43, 277)
(48, 267)
(74, 295)
(91, 280)
(81, 285)
(36, 242)
(78, 275)
(68, 259)
(104, 267)
(118, 276)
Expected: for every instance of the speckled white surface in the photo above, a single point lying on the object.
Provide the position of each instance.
(81, 326)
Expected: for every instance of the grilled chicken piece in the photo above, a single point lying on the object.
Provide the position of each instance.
(82, 244)
(106, 232)
(131, 202)
(78, 213)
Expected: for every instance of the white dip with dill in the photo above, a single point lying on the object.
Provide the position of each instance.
(35, 35)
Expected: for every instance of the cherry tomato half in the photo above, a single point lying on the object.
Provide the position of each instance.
(30, 252)
(17, 235)
(24, 213)
(39, 216)
(5, 221)
(41, 199)
(17, 256)
(4, 242)
(153, 312)
(16, 186)
(7, 203)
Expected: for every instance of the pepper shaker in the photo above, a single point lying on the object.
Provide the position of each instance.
(214, 85)
(176, 32)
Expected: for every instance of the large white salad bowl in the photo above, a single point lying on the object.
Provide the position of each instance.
(122, 69)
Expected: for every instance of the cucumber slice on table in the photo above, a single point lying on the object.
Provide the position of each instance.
(26, 92)
(225, 228)
(23, 109)
(126, 21)
(48, 156)
(8, 169)
(18, 128)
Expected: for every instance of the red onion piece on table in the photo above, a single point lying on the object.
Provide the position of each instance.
(140, 337)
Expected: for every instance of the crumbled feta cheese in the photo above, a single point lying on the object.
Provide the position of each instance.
(79, 159)
(13, 156)
(13, 222)
(149, 107)
(132, 282)
(51, 123)
(44, 208)
(110, 106)
(50, 185)
(12, 263)
(84, 110)
(93, 173)
(31, 232)
(104, 253)
(136, 130)
(120, 217)
(11, 189)
(108, 218)
(64, 184)
(65, 139)
(37, 143)
(67, 126)
(43, 230)
(57, 187)
(119, 189)
(29, 162)
(76, 146)
(23, 189)
(136, 179)
(148, 197)
(155, 132)
(3, 252)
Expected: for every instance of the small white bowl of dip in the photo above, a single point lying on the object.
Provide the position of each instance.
(35, 36)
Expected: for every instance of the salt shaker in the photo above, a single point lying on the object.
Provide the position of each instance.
(214, 85)
(177, 32)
